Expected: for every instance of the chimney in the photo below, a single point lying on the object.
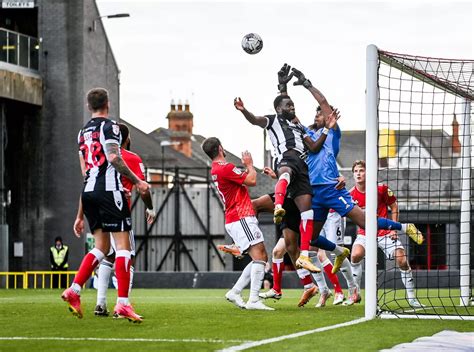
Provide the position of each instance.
(180, 125)
(455, 144)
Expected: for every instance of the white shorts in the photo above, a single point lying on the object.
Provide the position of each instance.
(334, 228)
(385, 243)
(245, 232)
(113, 247)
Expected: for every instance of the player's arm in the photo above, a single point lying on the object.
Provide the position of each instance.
(112, 152)
(261, 121)
(330, 122)
(320, 98)
(82, 163)
(394, 214)
(78, 227)
(251, 179)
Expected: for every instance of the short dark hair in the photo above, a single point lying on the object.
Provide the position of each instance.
(279, 99)
(318, 109)
(97, 98)
(59, 238)
(358, 163)
(210, 146)
(124, 131)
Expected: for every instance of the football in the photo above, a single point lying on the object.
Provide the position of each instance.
(252, 43)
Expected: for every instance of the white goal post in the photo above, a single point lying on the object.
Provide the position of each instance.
(374, 58)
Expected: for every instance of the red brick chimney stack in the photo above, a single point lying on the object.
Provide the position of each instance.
(180, 124)
(455, 143)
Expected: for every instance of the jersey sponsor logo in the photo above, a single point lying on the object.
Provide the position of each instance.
(237, 171)
(116, 129)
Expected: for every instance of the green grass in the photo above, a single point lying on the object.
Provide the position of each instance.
(198, 314)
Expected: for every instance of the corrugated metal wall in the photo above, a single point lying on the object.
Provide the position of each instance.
(181, 215)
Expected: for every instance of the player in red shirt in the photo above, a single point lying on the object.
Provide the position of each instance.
(387, 240)
(240, 221)
(135, 163)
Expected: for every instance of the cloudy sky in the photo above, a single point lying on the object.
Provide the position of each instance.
(191, 50)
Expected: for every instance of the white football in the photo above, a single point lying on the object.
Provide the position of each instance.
(252, 43)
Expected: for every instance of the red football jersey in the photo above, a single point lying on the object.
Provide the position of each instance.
(134, 163)
(385, 197)
(234, 194)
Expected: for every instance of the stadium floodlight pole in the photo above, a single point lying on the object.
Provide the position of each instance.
(465, 222)
(117, 15)
(371, 155)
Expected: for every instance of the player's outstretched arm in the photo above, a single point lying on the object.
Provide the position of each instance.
(114, 157)
(320, 98)
(251, 179)
(261, 121)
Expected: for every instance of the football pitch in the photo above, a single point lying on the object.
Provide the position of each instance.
(198, 320)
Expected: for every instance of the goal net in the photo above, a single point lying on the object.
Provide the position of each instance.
(422, 108)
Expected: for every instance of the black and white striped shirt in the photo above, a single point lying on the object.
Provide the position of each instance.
(100, 174)
(284, 136)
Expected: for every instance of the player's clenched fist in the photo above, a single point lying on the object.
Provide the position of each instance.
(239, 104)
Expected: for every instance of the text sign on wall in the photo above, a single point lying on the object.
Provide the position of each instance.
(6, 4)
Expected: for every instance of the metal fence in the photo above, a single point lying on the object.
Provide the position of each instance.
(187, 229)
(19, 49)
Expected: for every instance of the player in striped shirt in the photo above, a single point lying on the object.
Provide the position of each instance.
(104, 204)
(289, 151)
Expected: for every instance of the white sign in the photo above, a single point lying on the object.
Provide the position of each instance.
(6, 4)
(18, 249)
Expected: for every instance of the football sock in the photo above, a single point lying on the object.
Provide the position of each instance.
(357, 272)
(323, 243)
(256, 278)
(277, 268)
(306, 231)
(332, 277)
(318, 277)
(132, 271)
(338, 250)
(305, 278)
(103, 279)
(122, 272)
(346, 270)
(280, 188)
(243, 280)
(407, 279)
(387, 224)
(88, 265)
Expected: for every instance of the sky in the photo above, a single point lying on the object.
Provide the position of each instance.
(190, 50)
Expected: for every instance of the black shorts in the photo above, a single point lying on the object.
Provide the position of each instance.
(107, 210)
(299, 183)
(292, 217)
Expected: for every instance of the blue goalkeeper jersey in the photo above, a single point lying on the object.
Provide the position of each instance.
(322, 165)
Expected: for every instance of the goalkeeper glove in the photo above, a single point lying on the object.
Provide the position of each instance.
(302, 80)
(284, 76)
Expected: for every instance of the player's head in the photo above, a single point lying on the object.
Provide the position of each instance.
(319, 121)
(125, 132)
(284, 105)
(358, 171)
(213, 148)
(98, 100)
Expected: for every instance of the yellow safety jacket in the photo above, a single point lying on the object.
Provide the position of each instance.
(58, 256)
